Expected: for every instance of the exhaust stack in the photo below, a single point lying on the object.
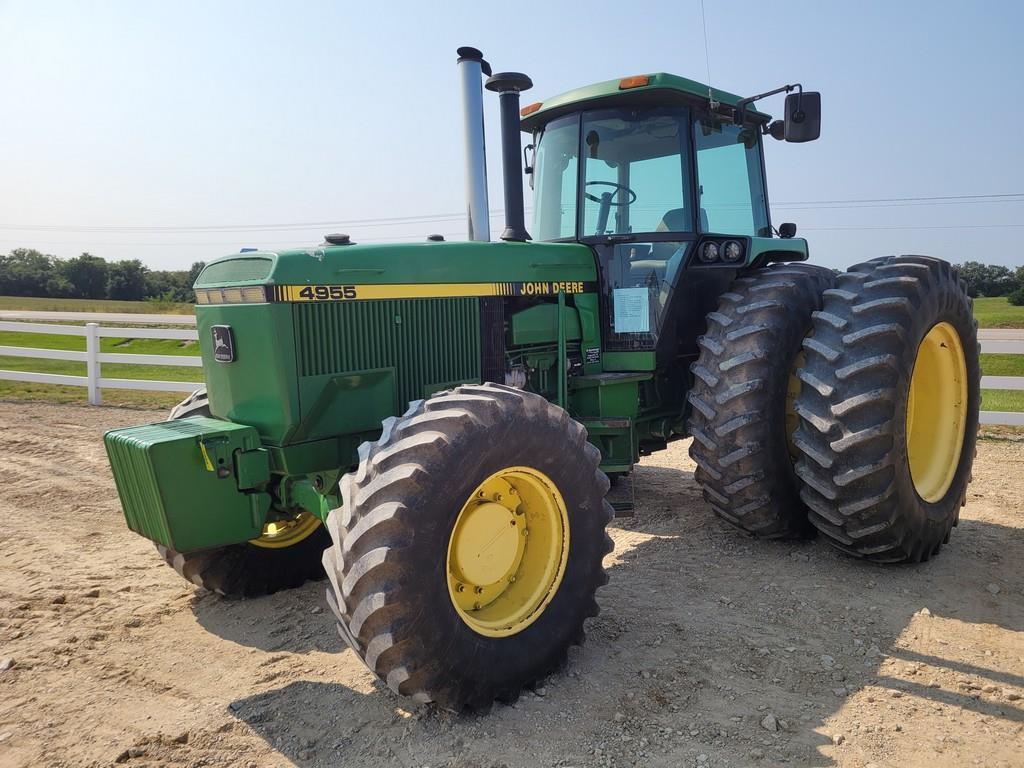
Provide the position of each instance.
(508, 86)
(471, 68)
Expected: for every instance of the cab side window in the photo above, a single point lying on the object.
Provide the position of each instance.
(731, 185)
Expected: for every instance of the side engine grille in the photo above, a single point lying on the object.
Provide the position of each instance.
(426, 341)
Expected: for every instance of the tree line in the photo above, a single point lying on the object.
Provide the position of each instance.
(28, 272)
(993, 280)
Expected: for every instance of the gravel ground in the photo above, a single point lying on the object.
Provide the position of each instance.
(711, 649)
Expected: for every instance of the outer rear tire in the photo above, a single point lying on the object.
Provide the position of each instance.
(245, 570)
(741, 392)
(387, 565)
(854, 401)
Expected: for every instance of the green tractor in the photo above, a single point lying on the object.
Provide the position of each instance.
(432, 425)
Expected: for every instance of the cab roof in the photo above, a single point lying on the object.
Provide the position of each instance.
(660, 88)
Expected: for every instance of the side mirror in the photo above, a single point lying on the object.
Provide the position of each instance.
(787, 230)
(803, 116)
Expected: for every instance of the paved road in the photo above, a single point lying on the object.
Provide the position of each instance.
(1001, 334)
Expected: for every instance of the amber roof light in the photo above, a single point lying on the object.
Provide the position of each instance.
(634, 82)
(529, 109)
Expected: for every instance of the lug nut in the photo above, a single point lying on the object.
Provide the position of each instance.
(460, 588)
(479, 590)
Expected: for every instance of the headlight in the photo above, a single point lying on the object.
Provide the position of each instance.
(732, 250)
(709, 252)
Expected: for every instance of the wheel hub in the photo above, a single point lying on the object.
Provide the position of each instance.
(487, 545)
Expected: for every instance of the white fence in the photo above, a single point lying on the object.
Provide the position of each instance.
(993, 341)
(93, 380)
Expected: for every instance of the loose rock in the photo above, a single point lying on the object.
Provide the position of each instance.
(6, 664)
(993, 588)
(769, 722)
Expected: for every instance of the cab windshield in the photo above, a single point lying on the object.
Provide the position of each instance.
(635, 177)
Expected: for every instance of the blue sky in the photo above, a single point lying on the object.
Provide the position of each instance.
(164, 115)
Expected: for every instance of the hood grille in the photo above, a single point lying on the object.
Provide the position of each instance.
(426, 341)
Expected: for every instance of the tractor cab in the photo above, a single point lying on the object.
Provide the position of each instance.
(666, 187)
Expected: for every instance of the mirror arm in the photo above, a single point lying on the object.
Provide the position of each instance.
(740, 112)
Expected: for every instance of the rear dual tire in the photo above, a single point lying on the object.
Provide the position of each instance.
(889, 408)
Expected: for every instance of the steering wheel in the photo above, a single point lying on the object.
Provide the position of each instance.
(608, 201)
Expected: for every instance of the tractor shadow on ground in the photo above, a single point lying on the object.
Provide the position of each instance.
(315, 723)
(293, 621)
(782, 606)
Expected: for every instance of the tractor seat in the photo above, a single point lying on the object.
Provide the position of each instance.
(673, 221)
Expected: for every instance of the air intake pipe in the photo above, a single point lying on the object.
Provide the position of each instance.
(471, 69)
(508, 86)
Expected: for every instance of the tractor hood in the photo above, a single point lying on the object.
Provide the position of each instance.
(424, 269)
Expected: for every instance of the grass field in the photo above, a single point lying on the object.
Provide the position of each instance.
(991, 313)
(94, 305)
(998, 313)
(1002, 400)
(18, 390)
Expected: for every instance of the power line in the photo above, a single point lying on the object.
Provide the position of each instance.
(881, 202)
(905, 199)
(938, 226)
(458, 236)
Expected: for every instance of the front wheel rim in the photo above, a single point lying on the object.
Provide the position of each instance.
(937, 412)
(507, 551)
(278, 534)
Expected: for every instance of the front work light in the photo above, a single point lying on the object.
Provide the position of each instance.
(709, 252)
(732, 250)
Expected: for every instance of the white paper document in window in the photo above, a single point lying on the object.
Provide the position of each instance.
(632, 310)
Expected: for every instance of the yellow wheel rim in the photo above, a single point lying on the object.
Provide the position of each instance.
(937, 412)
(279, 534)
(507, 551)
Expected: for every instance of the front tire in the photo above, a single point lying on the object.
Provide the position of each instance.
(285, 557)
(433, 585)
(889, 408)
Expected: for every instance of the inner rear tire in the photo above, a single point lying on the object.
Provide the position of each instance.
(245, 570)
(857, 382)
(742, 390)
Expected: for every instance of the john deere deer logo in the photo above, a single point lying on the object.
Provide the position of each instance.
(223, 344)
